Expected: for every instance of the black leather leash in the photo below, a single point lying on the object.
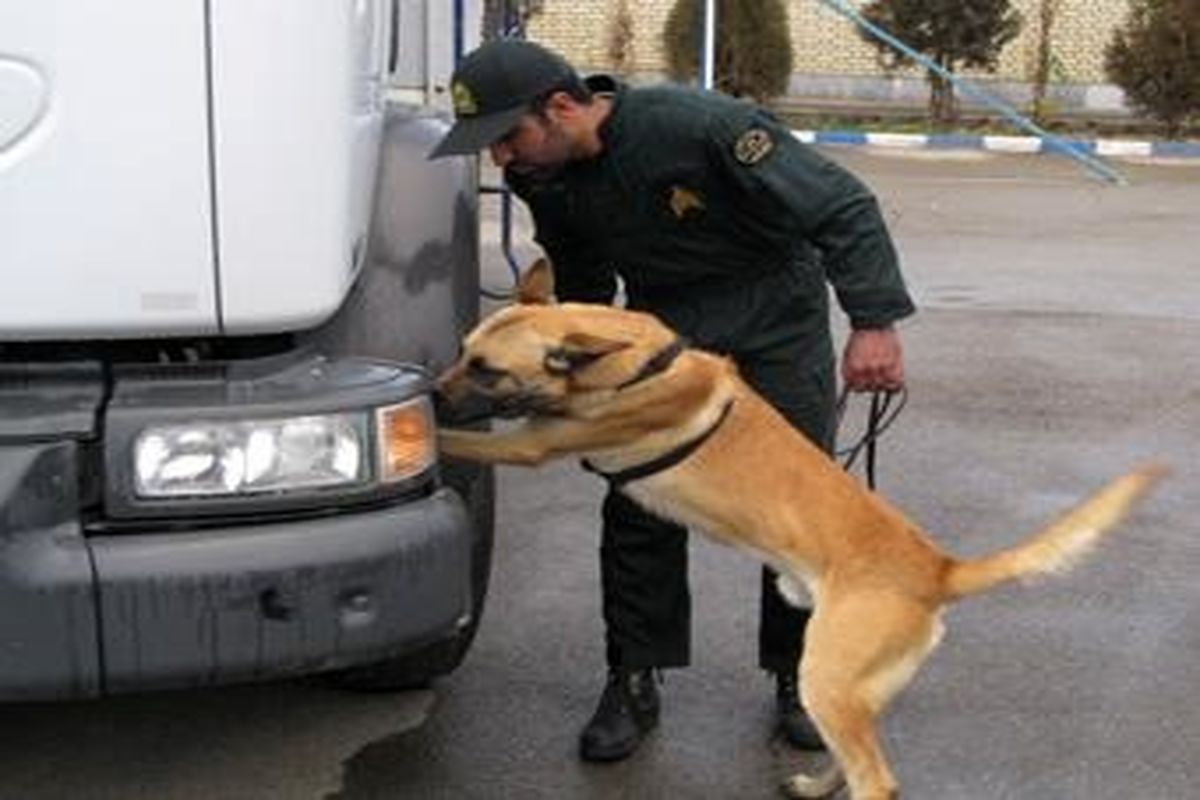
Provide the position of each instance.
(885, 406)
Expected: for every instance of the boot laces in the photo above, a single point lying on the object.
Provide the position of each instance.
(626, 686)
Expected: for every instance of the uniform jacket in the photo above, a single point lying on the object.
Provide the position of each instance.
(717, 219)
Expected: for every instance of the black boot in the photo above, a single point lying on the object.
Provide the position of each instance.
(791, 721)
(627, 710)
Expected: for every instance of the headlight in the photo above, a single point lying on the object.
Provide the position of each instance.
(230, 458)
(250, 456)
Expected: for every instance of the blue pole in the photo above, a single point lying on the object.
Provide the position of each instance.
(1094, 164)
(513, 27)
(458, 31)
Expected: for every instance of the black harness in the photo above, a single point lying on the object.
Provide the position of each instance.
(660, 363)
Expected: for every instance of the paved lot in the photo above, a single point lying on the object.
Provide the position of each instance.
(1056, 346)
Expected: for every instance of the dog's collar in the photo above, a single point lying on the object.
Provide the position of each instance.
(664, 462)
(660, 362)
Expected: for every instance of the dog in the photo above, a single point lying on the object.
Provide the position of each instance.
(678, 431)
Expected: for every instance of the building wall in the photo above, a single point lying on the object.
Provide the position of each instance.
(825, 43)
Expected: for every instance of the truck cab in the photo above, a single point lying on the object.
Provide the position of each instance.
(229, 272)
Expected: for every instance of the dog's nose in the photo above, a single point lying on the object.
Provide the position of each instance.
(460, 410)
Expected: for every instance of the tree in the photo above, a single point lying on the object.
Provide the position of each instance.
(1044, 61)
(1155, 58)
(953, 33)
(505, 17)
(753, 47)
(621, 37)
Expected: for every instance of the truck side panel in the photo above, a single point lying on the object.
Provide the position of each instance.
(421, 279)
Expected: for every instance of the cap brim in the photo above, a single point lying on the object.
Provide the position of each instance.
(472, 134)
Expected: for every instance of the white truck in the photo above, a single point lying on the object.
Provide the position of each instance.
(228, 272)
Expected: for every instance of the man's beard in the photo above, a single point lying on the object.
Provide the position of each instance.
(536, 172)
(542, 172)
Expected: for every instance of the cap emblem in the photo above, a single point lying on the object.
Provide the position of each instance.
(463, 99)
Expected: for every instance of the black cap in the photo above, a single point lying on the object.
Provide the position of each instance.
(493, 86)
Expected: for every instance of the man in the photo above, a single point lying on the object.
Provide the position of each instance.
(717, 220)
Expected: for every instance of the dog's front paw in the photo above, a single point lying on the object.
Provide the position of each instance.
(459, 444)
(519, 447)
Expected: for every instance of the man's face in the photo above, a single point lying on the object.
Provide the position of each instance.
(538, 145)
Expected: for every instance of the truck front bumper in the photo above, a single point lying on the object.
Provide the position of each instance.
(87, 615)
(265, 601)
(101, 593)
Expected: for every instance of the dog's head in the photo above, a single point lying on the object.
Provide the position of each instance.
(530, 358)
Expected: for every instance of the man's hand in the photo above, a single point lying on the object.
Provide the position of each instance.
(873, 360)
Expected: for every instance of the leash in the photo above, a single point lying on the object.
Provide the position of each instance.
(885, 406)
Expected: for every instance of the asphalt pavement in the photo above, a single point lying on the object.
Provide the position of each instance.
(1056, 346)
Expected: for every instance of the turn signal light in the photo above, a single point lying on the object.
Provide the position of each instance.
(405, 433)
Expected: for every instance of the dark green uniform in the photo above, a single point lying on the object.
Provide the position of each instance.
(718, 221)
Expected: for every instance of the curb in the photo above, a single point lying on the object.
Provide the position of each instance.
(1112, 148)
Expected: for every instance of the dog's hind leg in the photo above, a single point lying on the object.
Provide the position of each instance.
(860, 650)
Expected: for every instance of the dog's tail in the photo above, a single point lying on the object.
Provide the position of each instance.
(1060, 544)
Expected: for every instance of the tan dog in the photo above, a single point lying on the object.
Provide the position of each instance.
(616, 387)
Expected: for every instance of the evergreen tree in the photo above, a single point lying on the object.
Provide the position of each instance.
(1155, 58)
(953, 33)
(753, 47)
(621, 35)
(1048, 12)
(504, 17)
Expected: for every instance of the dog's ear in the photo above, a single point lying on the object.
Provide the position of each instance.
(578, 350)
(536, 286)
(593, 344)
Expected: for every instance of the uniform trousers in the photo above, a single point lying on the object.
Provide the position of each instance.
(644, 559)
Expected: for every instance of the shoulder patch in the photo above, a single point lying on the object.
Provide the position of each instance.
(753, 146)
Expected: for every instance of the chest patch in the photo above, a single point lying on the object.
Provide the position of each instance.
(753, 146)
(684, 202)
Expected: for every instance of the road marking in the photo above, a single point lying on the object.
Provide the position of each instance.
(1123, 147)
